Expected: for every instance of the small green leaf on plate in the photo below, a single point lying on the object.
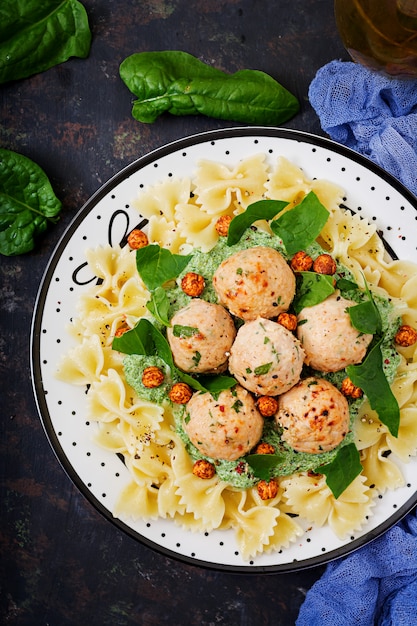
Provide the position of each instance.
(365, 316)
(146, 339)
(370, 377)
(342, 470)
(312, 288)
(157, 265)
(261, 210)
(263, 464)
(216, 384)
(135, 341)
(158, 305)
(346, 285)
(299, 227)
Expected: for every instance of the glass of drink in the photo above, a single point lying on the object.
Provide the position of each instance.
(380, 34)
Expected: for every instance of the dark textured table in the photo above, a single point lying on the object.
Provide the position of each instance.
(61, 561)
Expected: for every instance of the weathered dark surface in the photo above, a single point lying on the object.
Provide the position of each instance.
(61, 562)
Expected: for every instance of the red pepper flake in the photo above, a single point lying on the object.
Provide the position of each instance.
(222, 408)
(387, 361)
(240, 467)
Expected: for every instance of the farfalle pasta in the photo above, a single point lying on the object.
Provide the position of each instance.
(182, 216)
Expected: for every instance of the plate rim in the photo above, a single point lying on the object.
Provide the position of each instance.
(35, 365)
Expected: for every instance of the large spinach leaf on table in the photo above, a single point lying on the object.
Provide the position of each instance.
(181, 84)
(38, 34)
(27, 203)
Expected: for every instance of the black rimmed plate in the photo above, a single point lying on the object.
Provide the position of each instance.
(106, 218)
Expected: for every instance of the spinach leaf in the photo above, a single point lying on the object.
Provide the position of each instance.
(135, 341)
(181, 84)
(184, 331)
(157, 265)
(365, 316)
(264, 464)
(312, 288)
(27, 203)
(216, 384)
(38, 34)
(299, 227)
(158, 305)
(342, 470)
(370, 377)
(346, 285)
(261, 210)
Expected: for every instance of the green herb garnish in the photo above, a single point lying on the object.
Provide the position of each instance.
(346, 285)
(261, 210)
(263, 465)
(312, 288)
(156, 265)
(365, 316)
(370, 377)
(299, 227)
(196, 358)
(158, 305)
(342, 470)
(217, 384)
(262, 369)
(184, 331)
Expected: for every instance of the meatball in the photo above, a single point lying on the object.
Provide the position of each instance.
(200, 337)
(330, 341)
(266, 358)
(314, 416)
(226, 427)
(255, 282)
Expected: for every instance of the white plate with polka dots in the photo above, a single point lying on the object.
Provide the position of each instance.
(107, 218)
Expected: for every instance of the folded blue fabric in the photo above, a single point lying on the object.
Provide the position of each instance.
(374, 586)
(371, 113)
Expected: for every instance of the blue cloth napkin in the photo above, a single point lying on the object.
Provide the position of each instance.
(374, 586)
(377, 116)
(371, 113)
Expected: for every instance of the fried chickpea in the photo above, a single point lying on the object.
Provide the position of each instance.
(180, 393)
(267, 490)
(123, 328)
(406, 336)
(350, 390)
(301, 262)
(193, 284)
(204, 469)
(137, 239)
(267, 406)
(264, 448)
(152, 376)
(325, 264)
(222, 225)
(288, 320)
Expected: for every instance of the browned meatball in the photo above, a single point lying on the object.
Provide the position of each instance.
(255, 282)
(314, 416)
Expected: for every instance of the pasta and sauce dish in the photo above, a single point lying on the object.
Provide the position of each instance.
(251, 356)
